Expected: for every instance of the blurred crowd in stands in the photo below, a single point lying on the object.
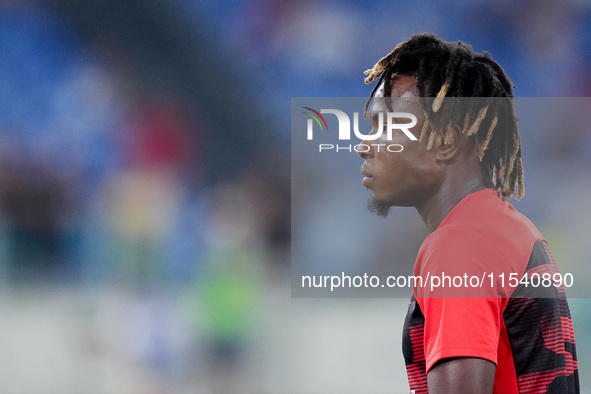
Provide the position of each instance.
(176, 188)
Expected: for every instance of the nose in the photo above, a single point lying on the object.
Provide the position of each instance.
(365, 150)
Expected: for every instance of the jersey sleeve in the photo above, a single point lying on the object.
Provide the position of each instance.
(463, 314)
(461, 327)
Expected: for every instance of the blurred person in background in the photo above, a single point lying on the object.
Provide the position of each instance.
(459, 174)
(227, 293)
(33, 200)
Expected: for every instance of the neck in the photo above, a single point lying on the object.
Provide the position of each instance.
(436, 208)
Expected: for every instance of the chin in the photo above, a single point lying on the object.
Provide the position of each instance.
(378, 207)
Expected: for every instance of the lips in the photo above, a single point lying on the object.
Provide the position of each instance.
(367, 176)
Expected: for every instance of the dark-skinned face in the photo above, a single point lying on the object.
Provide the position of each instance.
(399, 178)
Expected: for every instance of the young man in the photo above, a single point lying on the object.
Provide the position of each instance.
(459, 174)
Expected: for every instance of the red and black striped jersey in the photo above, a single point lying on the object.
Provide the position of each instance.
(525, 330)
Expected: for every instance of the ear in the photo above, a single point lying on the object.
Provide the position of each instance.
(449, 141)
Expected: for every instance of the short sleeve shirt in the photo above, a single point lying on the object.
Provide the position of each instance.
(529, 335)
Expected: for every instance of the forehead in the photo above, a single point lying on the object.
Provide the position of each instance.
(403, 86)
(404, 97)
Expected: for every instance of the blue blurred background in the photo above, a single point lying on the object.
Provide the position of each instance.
(145, 185)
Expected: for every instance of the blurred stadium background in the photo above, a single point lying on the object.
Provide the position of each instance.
(145, 191)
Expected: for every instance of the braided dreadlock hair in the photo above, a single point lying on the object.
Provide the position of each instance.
(449, 69)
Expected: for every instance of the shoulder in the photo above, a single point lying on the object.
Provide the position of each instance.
(482, 226)
(456, 241)
(459, 251)
(459, 263)
(485, 212)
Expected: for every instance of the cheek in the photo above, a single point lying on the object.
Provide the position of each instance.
(392, 164)
(414, 162)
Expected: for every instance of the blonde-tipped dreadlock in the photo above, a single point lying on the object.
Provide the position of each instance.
(381, 65)
(454, 70)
